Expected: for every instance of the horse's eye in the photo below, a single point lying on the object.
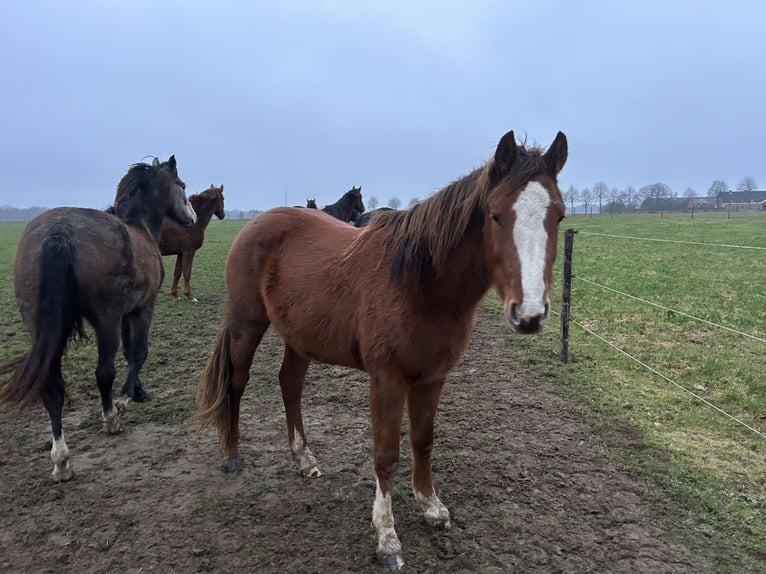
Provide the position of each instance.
(496, 218)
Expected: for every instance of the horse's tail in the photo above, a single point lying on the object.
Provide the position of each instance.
(58, 317)
(213, 406)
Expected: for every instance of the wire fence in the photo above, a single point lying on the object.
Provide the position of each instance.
(689, 316)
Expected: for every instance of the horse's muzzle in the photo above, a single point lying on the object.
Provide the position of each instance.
(525, 320)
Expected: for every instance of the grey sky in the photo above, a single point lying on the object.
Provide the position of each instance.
(289, 100)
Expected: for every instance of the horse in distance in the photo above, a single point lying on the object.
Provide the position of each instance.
(183, 242)
(365, 218)
(348, 207)
(395, 299)
(74, 264)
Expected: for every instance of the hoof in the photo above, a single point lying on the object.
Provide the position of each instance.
(311, 472)
(63, 474)
(138, 394)
(121, 404)
(232, 465)
(393, 562)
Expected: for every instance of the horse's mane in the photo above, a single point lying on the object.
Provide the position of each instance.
(424, 236)
(135, 180)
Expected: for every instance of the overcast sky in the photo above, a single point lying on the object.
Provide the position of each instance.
(282, 100)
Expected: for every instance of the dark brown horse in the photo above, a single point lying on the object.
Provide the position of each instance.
(395, 299)
(311, 203)
(105, 267)
(348, 207)
(364, 218)
(183, 242)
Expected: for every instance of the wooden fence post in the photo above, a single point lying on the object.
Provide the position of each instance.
(566, 293)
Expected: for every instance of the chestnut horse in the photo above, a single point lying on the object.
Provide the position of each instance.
(396, 299)
(348, 207)
(183, 242)
(74, 264)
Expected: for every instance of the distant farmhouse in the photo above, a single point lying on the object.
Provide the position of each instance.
(737, 200)
(678, 203)
(725, 200)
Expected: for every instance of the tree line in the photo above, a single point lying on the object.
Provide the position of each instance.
(616, 200)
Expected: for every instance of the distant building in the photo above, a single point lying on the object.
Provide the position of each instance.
(678, 204)
(737, 200)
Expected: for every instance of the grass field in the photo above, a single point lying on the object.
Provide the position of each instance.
(712, 467)
(701, 457)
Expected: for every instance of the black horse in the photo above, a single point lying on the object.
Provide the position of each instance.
(103, 266)
(349, 206)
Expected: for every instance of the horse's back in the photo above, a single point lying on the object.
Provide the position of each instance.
(286, 267)
(106, 255)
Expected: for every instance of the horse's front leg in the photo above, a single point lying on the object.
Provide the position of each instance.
(386, 405)
(176, 276)
(292, 376)
(422, 402)
(135, 347)
(187, 269)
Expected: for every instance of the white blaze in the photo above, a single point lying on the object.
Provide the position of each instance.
(531, 240)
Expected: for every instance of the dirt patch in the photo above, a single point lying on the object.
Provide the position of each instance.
(529, 485)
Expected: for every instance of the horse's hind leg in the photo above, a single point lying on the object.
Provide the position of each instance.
(422, 403)
(245, 338)
(176, 275)
(292, 376)
(53, 399)
(135, 347)
(108, 343)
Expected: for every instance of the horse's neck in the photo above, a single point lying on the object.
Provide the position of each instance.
(465, 277)
(204, 218)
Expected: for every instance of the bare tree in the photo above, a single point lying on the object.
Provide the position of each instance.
(413, 202)
(615, 204)
(747, 183)
(716, 189)
(372, 202)
(599, 190)
(689, 192)
(718, 186)
(656, 191)
(394, 203)
(570, 195)
(630, 196)
(586, 195)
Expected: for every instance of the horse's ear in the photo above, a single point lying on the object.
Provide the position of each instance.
(556, 156)
(172, 162)
(221, 188)
(505, 155)
(155, 162)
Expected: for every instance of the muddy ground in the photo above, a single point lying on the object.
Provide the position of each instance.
(527, 478)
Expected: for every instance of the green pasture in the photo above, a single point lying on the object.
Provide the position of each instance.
(711, 468)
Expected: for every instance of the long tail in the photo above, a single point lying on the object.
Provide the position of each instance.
(213, 407)
(58, 318)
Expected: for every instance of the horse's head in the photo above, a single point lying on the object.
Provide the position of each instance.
(355, 195)
(219, 211)
(171, 189)
(523, 210)
(311, 203)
